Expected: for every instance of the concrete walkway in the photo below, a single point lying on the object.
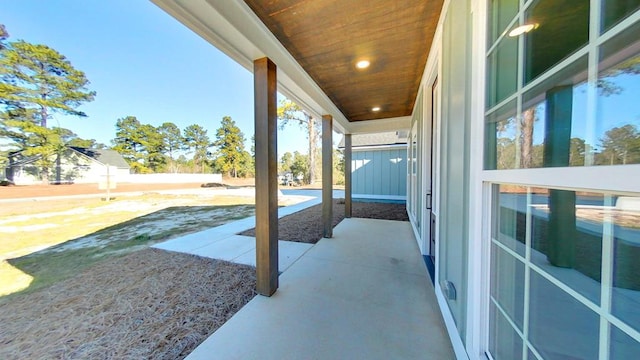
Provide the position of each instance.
(222, 242)
(364, 294)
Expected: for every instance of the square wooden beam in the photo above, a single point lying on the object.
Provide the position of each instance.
(265, 105)
(347, 175)
(327, 175)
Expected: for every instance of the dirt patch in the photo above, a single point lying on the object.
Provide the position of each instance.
(27, 191)
(149, 304)
(306, 225)
(59, 258)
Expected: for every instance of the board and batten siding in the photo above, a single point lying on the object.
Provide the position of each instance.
(379, 171)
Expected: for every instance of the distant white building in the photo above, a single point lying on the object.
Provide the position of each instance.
(74, 165)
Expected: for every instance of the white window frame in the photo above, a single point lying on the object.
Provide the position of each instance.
(616, 179)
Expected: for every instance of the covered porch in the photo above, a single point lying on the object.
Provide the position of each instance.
(358, 67)
(363, 294)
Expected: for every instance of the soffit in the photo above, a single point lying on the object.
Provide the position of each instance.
(328, 37)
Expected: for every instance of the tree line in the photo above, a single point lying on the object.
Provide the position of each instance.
(167, 148)
(37, 82)
(618, 146)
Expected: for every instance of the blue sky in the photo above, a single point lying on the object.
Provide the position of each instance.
(141, 62)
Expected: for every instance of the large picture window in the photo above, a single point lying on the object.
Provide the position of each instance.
(564, 264)
(574, 105)
(561, 170)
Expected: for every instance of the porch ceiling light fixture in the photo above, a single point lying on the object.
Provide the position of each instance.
(522, 29)
(363, 64)
(375, 108)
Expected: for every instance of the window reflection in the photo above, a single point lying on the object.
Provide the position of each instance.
(501, 12)
(510, 217)
(614, 11)
(502, 71)
(625, 216)
(507, 284)
(560, 327)
(566, 236)
(568, 231)
(618, 127)
(622, 346)
(504, 342)
(563, 28)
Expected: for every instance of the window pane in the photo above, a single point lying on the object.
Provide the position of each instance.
(554, 120)
(567, 237)
(618, 124)
(623, 346)
(501, 12)
(507, 284)
(562, 28)
(626, 262)
(502, 71)
(613, 11)
(504, 342)
(510, 209)
(560, 327)
(500, 144)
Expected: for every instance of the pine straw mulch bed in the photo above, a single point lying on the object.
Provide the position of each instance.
(306, 225)
(148, 304)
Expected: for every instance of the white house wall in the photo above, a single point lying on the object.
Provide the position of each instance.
(454, 175)
(72, 168)
(450, 63)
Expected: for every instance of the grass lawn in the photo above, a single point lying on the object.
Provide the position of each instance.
(44, 242)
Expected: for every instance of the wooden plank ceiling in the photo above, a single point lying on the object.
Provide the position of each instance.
(328, 38)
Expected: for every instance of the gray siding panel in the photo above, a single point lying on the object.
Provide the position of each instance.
(379, 172)
(368, 170)
(385, 169)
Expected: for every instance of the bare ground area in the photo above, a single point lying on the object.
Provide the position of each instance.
(48, 241)
(145, 304)
(27, 191)
(306, 225)
(148, 304)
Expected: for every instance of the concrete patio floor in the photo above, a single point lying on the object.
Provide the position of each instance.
(364, 294)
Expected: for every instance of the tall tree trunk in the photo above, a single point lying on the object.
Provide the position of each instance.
(43, 115)
(526, 150)
(313, 140)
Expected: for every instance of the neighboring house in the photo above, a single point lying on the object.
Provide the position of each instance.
(74, 165)
(523, 130)
(379, 165)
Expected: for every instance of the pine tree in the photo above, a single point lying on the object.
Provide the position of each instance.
(142, 145)
(38, 78)
(196, 139)
(173, 141)
(230, 143)
(35, 82)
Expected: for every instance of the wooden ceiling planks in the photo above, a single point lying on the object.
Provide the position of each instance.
(327, 38)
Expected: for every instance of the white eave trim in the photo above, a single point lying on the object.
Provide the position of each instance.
(381, 125)
(233, 28)
(376, 147)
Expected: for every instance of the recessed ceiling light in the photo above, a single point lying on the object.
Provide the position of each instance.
(522, 29)
(375, 108)
(363, 64)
